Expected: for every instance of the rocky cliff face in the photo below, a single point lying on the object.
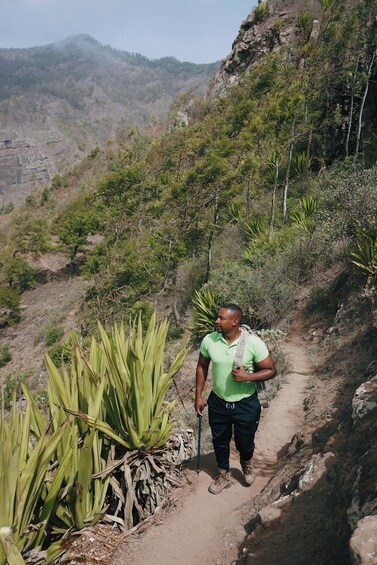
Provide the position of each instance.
(59, 101)
(271, 27)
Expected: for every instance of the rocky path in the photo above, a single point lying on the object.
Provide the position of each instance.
(206, 529)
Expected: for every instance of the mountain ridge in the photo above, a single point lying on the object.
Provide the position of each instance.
(57, 102)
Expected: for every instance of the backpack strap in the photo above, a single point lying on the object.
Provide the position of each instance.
(240, 349)
(245, 331)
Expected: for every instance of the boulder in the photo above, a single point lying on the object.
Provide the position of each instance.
(315, 471)
(364, 402)
(363, 543)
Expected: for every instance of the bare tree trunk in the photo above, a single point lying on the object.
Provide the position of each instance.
(362, 109)
(175, 294)
(350, 119)
(211, 235)
(310, 140)
(350, 123)
(273, 201)
(248, 200)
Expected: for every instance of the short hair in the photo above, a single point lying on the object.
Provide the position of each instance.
(234, 308)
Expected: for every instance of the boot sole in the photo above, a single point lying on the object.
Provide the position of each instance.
(219, 491)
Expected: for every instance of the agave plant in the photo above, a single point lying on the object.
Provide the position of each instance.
(304, 216)
(300, 165)
(135, 413)
(134, 416)
(24, 464)
(80, 388)
(55, 472)
(365, 259)
(256, 229)
(205, 305)
(233, 213)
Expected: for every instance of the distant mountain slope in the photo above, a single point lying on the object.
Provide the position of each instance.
(59, 101)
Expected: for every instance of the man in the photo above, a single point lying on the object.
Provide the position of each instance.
(233, 401)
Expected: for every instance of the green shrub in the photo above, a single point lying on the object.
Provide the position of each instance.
(145, 310)
(303, 21)
(6, 209)
(278, 24)
(175, 332)
(348, 205)
(266, 295)
(260, 13)
(59, 355)
(9, 307)
(12, 384)
(53, 335)
(56, 182)
(5, 355)
(327, 4)
(17, 273)
(93, 153)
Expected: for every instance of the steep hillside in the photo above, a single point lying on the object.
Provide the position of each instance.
(263, 195)
(59, 101)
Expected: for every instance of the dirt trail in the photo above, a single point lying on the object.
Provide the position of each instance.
(206, 529)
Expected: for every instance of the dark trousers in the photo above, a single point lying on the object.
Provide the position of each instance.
(223, 416)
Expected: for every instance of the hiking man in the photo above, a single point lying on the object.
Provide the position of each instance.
(233, 400)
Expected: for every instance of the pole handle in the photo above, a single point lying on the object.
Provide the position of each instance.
(199, 443)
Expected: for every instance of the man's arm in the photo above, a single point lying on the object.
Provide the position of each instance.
(266, 371)
(201, 377)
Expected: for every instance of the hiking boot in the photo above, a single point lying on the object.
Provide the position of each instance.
(220, 482)
(248, 471)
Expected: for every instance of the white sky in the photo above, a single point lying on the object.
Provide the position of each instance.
(200, 31)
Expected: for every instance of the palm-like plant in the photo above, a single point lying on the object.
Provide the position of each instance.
(304, 216)
(80, 388)
(205, 305)
(300, 165)
(365, 258)
(233, 214)
(256, 229)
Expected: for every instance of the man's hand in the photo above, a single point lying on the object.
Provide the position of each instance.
(265, 370)
(240, 375)
(199, 407)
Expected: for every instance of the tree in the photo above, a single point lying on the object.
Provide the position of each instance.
(30, 235)
(17, 273)
(73, 228)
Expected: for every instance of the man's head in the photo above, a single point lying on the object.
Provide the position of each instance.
(229, 318)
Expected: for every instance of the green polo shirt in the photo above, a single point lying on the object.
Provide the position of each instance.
(215, 347)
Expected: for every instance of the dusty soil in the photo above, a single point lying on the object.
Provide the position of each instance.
(206, 529)
(48, 305)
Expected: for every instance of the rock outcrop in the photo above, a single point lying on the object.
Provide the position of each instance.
(364, 542)
(326, 489)
(260, 35)
(362, 514)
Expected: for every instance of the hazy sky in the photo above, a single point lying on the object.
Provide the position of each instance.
(200, 31)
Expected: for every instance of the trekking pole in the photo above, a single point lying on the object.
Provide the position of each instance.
(199, 440)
